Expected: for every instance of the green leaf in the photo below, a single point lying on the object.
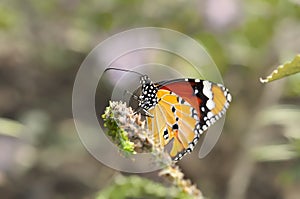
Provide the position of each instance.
(274, 152)
(10, 127)
(284, 70)
(287, 116)
(137, 187)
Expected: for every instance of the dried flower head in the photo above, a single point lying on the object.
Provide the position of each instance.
(174, 175)
(129, 131)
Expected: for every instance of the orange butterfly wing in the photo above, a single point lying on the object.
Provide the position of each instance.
(189, 105)
(181, 110)
(174, 119)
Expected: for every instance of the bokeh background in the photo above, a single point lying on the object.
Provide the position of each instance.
(44, 42)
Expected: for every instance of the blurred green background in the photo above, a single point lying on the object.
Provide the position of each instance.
(44, 42)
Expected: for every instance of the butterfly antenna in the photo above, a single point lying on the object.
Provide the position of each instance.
(134, 96)
(124, 70)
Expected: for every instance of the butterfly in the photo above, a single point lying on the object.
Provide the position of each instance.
(179, 111)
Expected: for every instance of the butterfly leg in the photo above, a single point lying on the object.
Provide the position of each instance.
(148, 114)
(143, 112)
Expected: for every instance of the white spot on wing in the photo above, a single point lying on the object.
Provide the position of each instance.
(208, 123)
(229, 98)
(210, 115)
(207, 89)
(210, 104)
(191, 146)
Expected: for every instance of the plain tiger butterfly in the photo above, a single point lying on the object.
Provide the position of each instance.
(179, 111)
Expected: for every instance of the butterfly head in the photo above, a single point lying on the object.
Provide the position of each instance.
(145, 80)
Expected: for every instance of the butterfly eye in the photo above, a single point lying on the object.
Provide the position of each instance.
(145, 80)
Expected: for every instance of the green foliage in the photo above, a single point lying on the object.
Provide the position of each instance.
(10, 127)
(284, 70)
(7, 18)
(119, 136)
(287, 117)
(290, 176)
(137, 187)
(274, 152)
